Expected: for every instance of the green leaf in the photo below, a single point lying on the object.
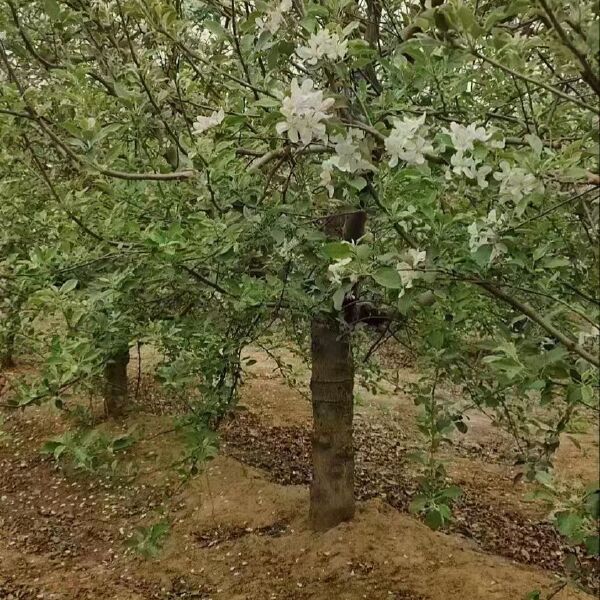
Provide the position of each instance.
(535, 143)
(545, 479)
(388, 278)
(358, 183)
(52, 9)
(68, 286)
(266, 102)
(592, 504)
(50, 446)
(570, 525)
(573, 393)
(555, 262)
(452, 492)
(461, 426)
(592, 544)
(466, 17)
(434, 519)
(338, 298)
(338, 250)
(122, 442)
(436, 338)
(418, 504)
(216, 28)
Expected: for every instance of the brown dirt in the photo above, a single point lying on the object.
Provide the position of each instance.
(239, 533)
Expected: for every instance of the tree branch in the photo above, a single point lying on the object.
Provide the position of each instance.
(588, 74)
(524, 77)
(529, 311)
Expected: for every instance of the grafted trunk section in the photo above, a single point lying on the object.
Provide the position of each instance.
(332, 383)
(115, 384)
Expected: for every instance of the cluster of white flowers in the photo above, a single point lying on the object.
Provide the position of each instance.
(337, 271)
(274, 18)
(323, 44)
(464, 138)
(515, 182)
(348, 157)
(201, 124)
(407, 141)
(304, 110)
(407, 268)
(464, 162)
(486, 233)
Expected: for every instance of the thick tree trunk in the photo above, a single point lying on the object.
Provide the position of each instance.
(332, 382)
(115, 384)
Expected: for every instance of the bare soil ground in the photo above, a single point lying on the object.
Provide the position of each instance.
(239, 530)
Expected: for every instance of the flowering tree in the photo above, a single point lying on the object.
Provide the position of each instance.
(234, 164)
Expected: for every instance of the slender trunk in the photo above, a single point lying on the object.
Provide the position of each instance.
(7, 360)
(332, 385)
(7, 352)
(332, 382)
(115, 384)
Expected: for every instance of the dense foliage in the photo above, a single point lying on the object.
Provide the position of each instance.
(172, 169)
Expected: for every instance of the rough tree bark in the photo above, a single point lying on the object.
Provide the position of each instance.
(115, 384)
(332, 384)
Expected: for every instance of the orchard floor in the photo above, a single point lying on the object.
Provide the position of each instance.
(238, 531)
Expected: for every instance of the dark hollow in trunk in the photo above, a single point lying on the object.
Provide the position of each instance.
(332, 382)
(115, 384)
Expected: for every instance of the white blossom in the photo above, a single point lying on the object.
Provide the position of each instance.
(417, 256)
(325, 178)
(348, 157)
(407, 142)
(515, 182)
(464, 138)
(482, 173)
(337, 270)
(323, 44)
(201, 124)
(274, 18)
(468, 166)
(304, 110)
(463, 165)
(463, 161)
(407, 269)
(486, 233)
